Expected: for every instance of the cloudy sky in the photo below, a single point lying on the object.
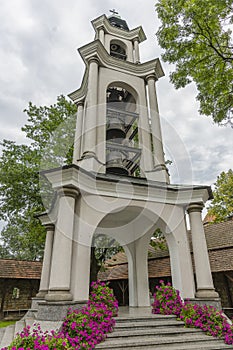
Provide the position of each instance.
(39, 61)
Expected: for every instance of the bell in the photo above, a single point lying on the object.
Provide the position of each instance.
(115, 130)
(114, 164)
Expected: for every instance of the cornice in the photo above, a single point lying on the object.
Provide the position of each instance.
(95, 49)
(102, 22)
(104, 185)
(80, 94)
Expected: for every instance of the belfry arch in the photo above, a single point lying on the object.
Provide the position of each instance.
(123, 202)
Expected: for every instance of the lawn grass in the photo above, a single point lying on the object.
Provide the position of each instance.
(6, 323)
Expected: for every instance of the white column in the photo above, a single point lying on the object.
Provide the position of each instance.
(137, 254)
(59, 286)
(136, 51)
(205, 286)
(155, 122)
(101, 35)
(45, 274)
(78, 133)
(145, 135)
(160, 169)
(91, 113)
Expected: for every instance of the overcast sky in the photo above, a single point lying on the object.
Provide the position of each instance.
(39, 61)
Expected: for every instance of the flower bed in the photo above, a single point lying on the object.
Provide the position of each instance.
(167, 301)
(81, 329)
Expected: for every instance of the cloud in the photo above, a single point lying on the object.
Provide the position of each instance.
(39, 61)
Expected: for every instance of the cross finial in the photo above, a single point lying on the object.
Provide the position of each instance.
(114, 12)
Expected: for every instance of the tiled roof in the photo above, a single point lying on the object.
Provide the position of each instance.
(20, 269)
(219, 239)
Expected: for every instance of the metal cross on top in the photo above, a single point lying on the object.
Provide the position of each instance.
(114, 12)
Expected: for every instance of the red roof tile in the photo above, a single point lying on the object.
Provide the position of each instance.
(10, 268)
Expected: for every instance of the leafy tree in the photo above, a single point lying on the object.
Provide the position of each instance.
(197, 38)
(20, 185)
(221, 206)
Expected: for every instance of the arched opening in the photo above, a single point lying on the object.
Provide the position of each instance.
(133, 226)
(128, 226)
(118, 50)
(122, 151)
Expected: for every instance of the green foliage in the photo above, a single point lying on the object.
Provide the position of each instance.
(197, 38)
(158, 241)
(51, 131)
(221, 206)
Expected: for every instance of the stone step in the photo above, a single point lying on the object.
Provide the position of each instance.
(169, 342)
(205, 346)
(151, 331)
(8, 336)
(158, 332)
(149, 323)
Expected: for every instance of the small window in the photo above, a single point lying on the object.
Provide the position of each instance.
(15, 293)
(118, 51)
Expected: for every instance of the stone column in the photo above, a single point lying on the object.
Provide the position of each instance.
(158, 153)
(136, 51)
(101, 35)
(205, 286)
(78, 133)
(91, 113)
(146, 162)
(59, 286)
(45, 274)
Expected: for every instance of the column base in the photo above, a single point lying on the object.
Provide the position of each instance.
(58, 295)
(57, 311)
(215, 302)
(206, 293)
(41, 294)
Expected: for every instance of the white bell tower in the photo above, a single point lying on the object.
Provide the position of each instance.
(118, 184)
(118, 124)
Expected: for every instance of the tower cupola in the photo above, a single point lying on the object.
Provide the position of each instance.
(118, 124)
(116, 21)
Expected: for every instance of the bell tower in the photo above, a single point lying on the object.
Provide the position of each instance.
(118, 124)
(118, 184)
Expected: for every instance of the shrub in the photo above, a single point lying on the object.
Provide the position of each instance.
(101, 293)
(167, 301)
(81, 329)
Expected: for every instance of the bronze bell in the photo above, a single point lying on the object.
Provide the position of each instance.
(114, 163)
(115, 130)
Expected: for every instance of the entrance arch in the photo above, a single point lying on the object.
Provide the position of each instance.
(133, 226)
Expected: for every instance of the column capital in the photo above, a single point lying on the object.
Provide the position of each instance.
(101, 28)
(68, 192)
(80, 103)
(195, 207)
(136, 39)
(151, 76)
(49, 227)
(93, 59)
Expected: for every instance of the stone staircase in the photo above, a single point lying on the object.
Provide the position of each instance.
(157, 332)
